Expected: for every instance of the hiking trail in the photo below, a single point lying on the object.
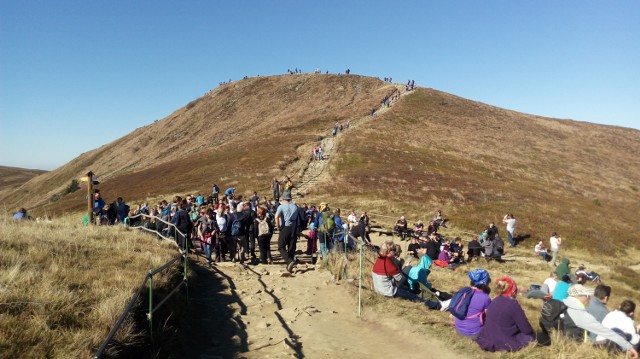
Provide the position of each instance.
(246, 311)
(315, 172)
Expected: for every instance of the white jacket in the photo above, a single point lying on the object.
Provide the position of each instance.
(620, 320)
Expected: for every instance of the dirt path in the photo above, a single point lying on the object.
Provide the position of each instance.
(259, 311)
(316, 171)
(255, 312)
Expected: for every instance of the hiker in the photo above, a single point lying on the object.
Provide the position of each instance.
(361, 230)
(275, 187)
(598, 302)
(364, 218)
(288, 186)
(284, 219)
(621, 321)
(413, 247)
(98, 207)
(263, 230)
(510, 220)
(352, 219)
(457, 250)
(216, 192)
(325, 224)
(230, 191)
(122, 210)
(21, 214)
(339, 233)
(577, 320)
(492, 231)
(475, 248)
(206, 231)
(545, 291)
(440, 220)
(224, 238)
(582, 276)
(555, 242)
(183, 225)
(506, 327)
(388, 280)
(471, 325)
(561, 291)
(312, 240)
(240, 222)
(564, 269)
(541, 251)
(401, 227)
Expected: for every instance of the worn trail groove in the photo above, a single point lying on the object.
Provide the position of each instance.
(245, 311)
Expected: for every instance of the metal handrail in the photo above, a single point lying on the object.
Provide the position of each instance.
(148, 278)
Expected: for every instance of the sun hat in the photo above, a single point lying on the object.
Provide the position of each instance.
(578, 290)
(286, 196)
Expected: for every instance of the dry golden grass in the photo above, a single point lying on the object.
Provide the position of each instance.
(63, 286)
(525, 269)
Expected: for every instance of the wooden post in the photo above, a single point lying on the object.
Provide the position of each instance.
(90, 196)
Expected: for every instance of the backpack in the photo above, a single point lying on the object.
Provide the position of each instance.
(552, 315)
(459, 305)
(263, 227)
(236, 227)
(328, 224)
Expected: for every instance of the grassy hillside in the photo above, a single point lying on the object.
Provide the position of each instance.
(63, 286)
(12, 177)
(478, 162)
(431, 150)
(243, 132)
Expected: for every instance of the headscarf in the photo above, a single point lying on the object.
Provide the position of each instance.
(420, 272)
(512, 290)
(479, 276)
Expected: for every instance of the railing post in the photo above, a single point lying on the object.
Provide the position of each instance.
(150, 314)
(360, 282)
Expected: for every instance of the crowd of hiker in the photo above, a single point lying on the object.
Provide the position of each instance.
(227, 226)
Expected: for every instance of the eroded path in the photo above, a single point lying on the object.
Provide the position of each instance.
(255, 312)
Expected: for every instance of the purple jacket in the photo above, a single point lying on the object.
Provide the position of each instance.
(474, 321)
(506, 327)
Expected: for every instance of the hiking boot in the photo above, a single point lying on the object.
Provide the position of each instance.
(290, 266)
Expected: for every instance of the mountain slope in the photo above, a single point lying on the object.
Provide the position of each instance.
(430, 150)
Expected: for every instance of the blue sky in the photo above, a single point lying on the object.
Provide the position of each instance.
(75, 75)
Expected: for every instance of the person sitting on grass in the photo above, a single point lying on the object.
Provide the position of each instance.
(546, 290)
(578, 321)
(562, 288)
(564, 269)
(412, 248)
(582, 276)
(388, 280)
(541, 251)
(480, 300)
(401, 227)
(621, 321)
(506, 327)
(475, 248)
(457, 250)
